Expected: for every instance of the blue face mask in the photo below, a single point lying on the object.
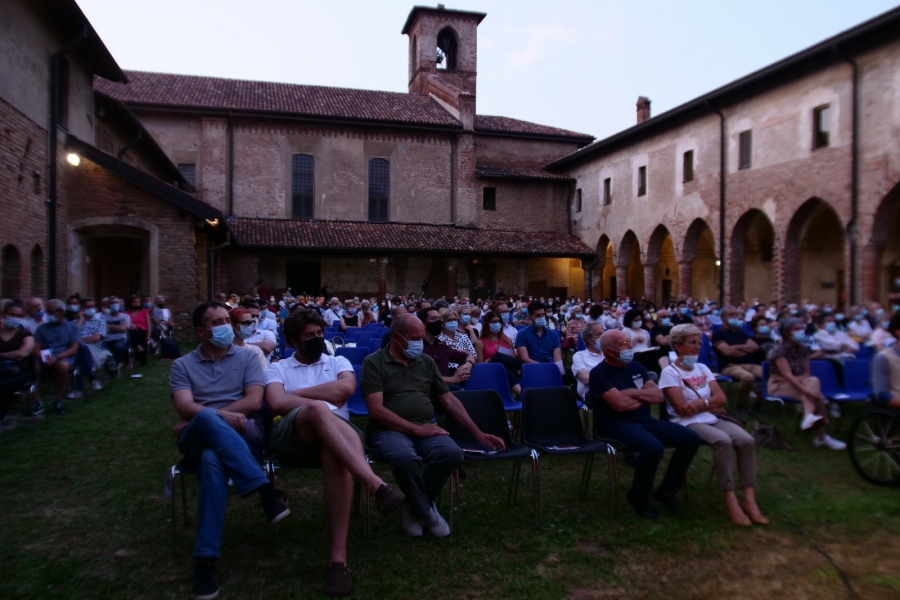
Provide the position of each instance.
(114, 308)
(541, 322)
(222, 335)
(689, 360)
(839, 317)
(763, 330)
(860, 317)
(414, 349)
(716, 312)
(666, 322)
(351, 311)
(13, 322)
(734, 323)
(39, 315)
(451, 326)
(597, 343)
(683, 310)
(90, 312)
(799, 336)
(831, 327)
(147, 305)
(626, 356)
(466, 319)
(505, 317)
(524, 310)
(72, 308)
(246, 331)
(496, 327)
(50, 319)
(579, 316)
(886, 324)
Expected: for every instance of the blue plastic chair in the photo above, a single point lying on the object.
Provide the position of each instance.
(351, 331)
(362, 338)
(287, 353)
(764, 388)
(281, 346)
(336, 334)
(336, 324)
(328, 330)
(355, 403)
(492, 376)
(374, 345)
(356, 356)
(580, 344)
(715, 328)
(372, 326)
(858, 377)
(540, 375)
(831, 387)
(866, 352)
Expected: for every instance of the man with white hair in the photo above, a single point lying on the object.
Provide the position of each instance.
(333, 312)
(585, 360)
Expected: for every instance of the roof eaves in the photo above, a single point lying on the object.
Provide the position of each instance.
(71, 20)
(410, 19)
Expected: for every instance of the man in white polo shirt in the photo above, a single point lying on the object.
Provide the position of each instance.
(262, 338)
(309, 390)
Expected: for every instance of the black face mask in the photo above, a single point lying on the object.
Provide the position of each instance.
(313, 348)
(434, 328)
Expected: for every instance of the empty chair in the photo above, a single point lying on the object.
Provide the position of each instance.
(865, 352)
(372, 326)
(486, 410)
(356, 356)
(858, 377)
(831, 387)
(492, 376)
(336, 324)
(328, 330)
(540, 375)
(551, 426)
(362, 337)
(374, 345)
(350, 331)
(355, 403)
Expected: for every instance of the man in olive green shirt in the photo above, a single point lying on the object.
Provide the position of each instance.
(400, 386)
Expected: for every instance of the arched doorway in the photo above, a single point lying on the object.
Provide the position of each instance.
(698, 270)
(752, 255)
(631, 266)
(814, 254)
(38, 278)
(664, 284)
(10, 273)
(882, 283)
(604, 271)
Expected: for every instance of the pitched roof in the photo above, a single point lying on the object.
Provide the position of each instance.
(506, 125)
(71, 23)
(486, 171)
(440, 10)
(355, 236)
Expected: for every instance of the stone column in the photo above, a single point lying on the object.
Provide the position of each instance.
(684, 279)
(650, 281)
(871, 271)
(588, 267)
(451, 277)
(400, 266)
(522, 284)
(382, 276)
(621, 280)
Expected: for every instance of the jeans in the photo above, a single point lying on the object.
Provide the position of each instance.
(406, 453)
(649, 437)
(86, 362)
(511, 364)
(218, 452)
(118, 348)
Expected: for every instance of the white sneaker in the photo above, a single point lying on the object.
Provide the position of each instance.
(830, 443)
(436, 524)
(411, 526)
(74, 394)
(809, 421)
(96, 385)
(834, 410)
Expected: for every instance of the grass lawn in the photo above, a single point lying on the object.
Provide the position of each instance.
(84, 516)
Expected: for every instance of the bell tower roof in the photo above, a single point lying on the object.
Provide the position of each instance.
(441, 11)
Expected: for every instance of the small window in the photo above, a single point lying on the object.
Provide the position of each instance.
(104, 141)
(303, 170)
(189, 172)
(688, 166)
(578, 200)
(489, 198)
(746, 149)
(821, 126)
(607, 191)
(36, 183)
(642, 181)
(379, 188)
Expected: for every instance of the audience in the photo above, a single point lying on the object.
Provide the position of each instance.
(34, 314)
(735, 353)
(452, 336)
(115, 340)
(584, 361)
(263, 338)
(139, 329)
(55, 346)
(836, 344)
(886, 370)
(242, 324)
(442, 354)
(16, 344)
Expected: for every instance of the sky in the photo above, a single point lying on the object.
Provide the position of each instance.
(576, 64)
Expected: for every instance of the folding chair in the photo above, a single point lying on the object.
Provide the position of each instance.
(355, 403)
(492, 376)
(551, 426)
(546, 375)
(374, 345)
(580, 344)
(858, 377)
(866, 352)
(486, 410)
(287, 353)
(362, 338)
(351, 331)
(831, 387)
(372, 327)
(767, 369)
(356, 356)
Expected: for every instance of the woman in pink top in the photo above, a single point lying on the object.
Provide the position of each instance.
(496, 347)
(139, 330)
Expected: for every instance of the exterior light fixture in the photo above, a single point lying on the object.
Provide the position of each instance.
(212, 222)
(718, 263)
(73, 159)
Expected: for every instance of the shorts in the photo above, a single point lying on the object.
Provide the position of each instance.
(284, 443)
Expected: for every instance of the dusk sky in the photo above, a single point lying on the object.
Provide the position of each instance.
(575, 64)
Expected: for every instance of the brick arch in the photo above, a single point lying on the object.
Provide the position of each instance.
(692, 238)
(793, 243)
(449, 42)
(10, 272)
(600, 275)
(736, 263)
(626, 247)
(873, 251)
(654, 245)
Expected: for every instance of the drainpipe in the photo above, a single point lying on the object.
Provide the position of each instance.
(210, 262)
(723, 164)
(55, 63)
(230, 165)
(569, 206)
(854, 173)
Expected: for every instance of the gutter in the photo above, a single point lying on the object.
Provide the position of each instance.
(854, 174)
(723, 171)
(55, 64)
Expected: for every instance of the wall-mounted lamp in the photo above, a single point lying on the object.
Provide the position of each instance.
(73, 159)
(212, 222)
(718, 263)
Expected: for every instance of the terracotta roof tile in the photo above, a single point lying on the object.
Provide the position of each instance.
(508, 125)
(363, 236)
(519, 173)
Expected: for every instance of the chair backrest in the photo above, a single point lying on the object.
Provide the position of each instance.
(485, 408)
(550, 418)
(707, 354)
(336, 324)
(858, 377)
(373, 326)
(328, 330)
(716, 327)
(332, 335)
(374, 345)
(824, 370)
(362, 337)
(865, 352)
(580, 345)
(541, 375)
(490, 376)
(350, 331)
(356, 356)
(355, 403)
(288, 352)
(767, 371)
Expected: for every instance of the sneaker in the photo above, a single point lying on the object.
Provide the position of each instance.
(436, 524)
(834, 410)
(387, 500)
(642, 509)
(411, 525)
(205, 585)
(57, 408)
(96, 385)
(809, 421)
(830, 443)
(276, 509)
(670, 502)
(74, 395)
(338, 582)
(37, 409)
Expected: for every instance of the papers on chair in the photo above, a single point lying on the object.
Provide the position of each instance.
(563, 447)
(508, 351)
(841, 396)
(475, 451)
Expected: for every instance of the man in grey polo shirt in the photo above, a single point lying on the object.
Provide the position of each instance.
(217, 389)
(401, 387)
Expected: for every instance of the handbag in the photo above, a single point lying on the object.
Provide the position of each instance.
(723, 415)
(767, 435)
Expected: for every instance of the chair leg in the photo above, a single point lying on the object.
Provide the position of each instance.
(366, 514)
(613, 479)
(184, 501)
(172, 474)
(586, 476)
(514, 482)
(455, 504)
(536, 486)
(687, 493)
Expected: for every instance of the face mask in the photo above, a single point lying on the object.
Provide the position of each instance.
(39, 315)
(799, 336)
(540, 322)
(626, 356)
(831, 327)
(864, 312)
(666, 322)
(246, 331)
(505, 317)
(597, 343)
(496, 327)
(895, 307)
(313, 348)
(72, 308)
(794, 312)
(734, 323)
(13, 322)
(886, 324)
(147, 305)
(683, 310)
(839, 317)
(414, 349)
(690, 360)
(524, 311)
(859, 317)
(579, 316)
(716, 312)
(222, 336)
(90, 312)
(114, 308)
(763, 330)
(50, 319)
(636, 325)
(451, 326)
(466, 319)
(434, 328)
(351, 311)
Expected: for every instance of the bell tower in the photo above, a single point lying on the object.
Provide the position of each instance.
(443, 57)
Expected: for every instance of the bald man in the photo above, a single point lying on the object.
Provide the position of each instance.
(401, 387)
(622, 394)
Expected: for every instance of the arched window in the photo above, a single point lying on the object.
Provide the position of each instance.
(303, 170)
(413, 57)
(10, 273)
(446, 48)
(37, 272)
(379, 188)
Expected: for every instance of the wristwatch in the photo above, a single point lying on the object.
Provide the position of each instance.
(706, 402)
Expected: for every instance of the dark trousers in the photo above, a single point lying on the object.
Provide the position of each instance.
(649, 437)
(86, 362)
(406, 454)
(118, 348)
(137, 339)
(511, 364)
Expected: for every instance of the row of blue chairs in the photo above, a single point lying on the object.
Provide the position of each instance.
(857, 386)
